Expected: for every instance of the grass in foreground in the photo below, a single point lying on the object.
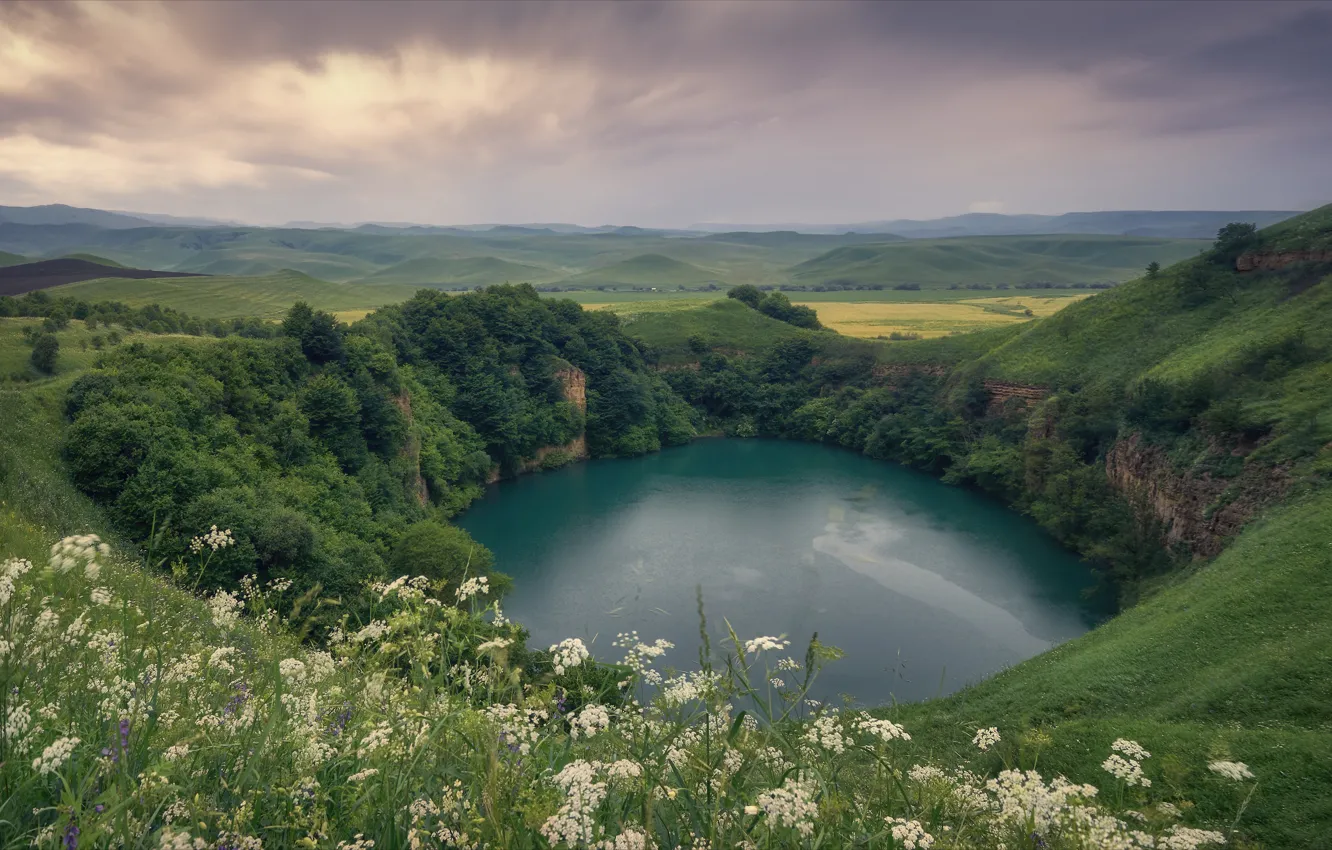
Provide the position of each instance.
(136, 715)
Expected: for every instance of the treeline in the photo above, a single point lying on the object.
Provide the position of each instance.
(844, 285)
(337, 454)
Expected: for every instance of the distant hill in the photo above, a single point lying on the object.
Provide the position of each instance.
(93, 258)
(44, 274)
(1008, 260)
(471, 271)
(1173, 224)
(794, 239)
(646, 270)
(62, 214)
(8, 259)
(181, 220)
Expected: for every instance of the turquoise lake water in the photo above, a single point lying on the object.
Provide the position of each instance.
(924, 586)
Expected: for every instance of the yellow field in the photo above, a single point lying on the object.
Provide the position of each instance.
(1041, 306)
(871, 319)
(350, 316)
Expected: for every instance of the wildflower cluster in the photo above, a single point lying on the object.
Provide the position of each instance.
(212, 540)
(210, 725)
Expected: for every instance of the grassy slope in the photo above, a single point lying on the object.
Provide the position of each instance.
(996, 259)
(224, 297)
(725, 324)
(1235, 662)
(646, 270)
(93, 258)
(8, 259)
(473, 271)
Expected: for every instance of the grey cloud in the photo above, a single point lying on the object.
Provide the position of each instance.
(799, 106)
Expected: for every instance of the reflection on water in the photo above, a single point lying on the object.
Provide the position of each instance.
(925, 587)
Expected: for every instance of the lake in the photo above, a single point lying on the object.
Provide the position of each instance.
(924, 586)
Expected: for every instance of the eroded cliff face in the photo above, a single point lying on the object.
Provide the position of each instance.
(1272, 262)
(573, 386)
(1004, 394)
(1200, 511)
(889, 374)
(412, 451)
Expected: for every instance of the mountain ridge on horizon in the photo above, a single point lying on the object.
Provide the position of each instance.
(1157, 223)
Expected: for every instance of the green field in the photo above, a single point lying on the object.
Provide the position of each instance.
(269, 296)
(996, 259)
(77, 352)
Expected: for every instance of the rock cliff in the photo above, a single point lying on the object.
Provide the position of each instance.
(1200, 511)
(1272, 262)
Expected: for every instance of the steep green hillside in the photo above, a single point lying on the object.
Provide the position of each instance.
(645, 270)
(994, 260)
(467, 271)
(268, 296)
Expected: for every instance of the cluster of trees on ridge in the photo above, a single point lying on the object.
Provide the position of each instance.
(336, 455)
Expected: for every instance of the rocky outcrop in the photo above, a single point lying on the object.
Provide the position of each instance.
(1003, 392)
(573, 386)
(412, 451)
(889, 374)
(1199, 511)
(1279, 260)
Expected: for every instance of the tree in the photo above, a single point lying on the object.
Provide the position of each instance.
(746, 294)
(44, 352)
(1153, 269)
(318, 332)
(441, 552)
(1233, 239)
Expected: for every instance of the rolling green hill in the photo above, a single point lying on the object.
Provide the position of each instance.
(994, 260)
(93, 258)
(8, 259)
(469, 271)
(267, 296)
(646, 270)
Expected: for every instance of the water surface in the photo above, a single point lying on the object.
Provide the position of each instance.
(926, 587)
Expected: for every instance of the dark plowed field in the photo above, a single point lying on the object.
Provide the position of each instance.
(29, 277)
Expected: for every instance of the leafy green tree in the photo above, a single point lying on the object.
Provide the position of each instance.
(1153, 269)
(317, 331)
(746, 294)
(444, 553)
(44, 353)
(1234, 239)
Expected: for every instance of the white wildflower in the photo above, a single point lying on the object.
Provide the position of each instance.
(761, 644)
(479, 586)
(568, 653)
(910, 834)
(1236, 770)
(212, 540)
(986, 738)
(1130, 749)
(592, 720)
(363, 775)
(884, 730)
(826, 732)
(54, 757)
(1188, 838)
(225, 608)
(791, 806)
(101, 596)
(1127, 771)
(176, 752)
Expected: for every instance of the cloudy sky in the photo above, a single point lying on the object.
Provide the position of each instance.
(664, 114)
